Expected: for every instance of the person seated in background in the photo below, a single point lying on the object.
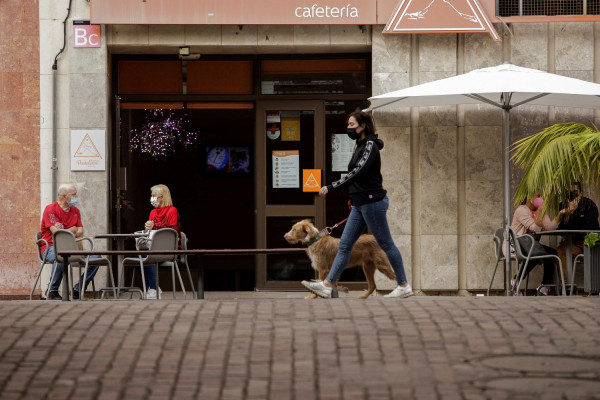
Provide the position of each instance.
(528, 220)
(581, 214)
(164, 215)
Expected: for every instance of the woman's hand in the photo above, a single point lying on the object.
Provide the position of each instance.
(323, 191)
(149, 225)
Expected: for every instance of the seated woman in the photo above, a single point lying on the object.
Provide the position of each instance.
(527, 219)
(164, 215)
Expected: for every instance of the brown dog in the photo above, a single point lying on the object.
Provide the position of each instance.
(366, 252)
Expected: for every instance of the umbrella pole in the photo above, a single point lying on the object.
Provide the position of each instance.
(507, 197)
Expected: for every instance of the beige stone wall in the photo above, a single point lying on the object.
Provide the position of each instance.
(451, 158)
(82, 103)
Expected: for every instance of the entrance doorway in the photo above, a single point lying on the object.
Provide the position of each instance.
(205, 155)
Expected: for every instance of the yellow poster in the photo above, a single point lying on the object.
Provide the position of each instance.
(311, 180)
(290, 126)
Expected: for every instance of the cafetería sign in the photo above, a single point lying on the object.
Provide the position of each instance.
(401, 16)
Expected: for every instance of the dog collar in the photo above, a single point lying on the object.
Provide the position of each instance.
(317, 237)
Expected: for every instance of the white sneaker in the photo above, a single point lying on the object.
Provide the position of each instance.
(401, 292)
(318, 288)
(151, 294)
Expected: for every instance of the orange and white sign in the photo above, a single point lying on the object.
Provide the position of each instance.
(311, 179)
(88, 150)
(86, 35)
(440, 16)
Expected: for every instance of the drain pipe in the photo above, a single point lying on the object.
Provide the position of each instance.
(54, 133)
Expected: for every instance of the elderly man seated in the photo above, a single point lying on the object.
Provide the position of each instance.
(62, 214)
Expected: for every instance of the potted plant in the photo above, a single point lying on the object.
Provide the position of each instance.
(591, 263)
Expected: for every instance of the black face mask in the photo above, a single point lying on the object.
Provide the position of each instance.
(572, 195)
(351, 132)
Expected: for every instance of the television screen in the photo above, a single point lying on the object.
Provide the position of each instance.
(228, 160)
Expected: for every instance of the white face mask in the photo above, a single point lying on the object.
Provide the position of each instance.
(154, 201)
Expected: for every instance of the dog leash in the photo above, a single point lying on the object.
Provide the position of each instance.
(330, 229)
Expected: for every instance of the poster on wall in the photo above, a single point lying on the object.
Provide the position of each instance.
(342, 148)
(290, 126)
(286, 169)
(273, 125)
(88, 150)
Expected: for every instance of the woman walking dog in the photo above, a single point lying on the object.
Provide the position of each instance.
(369, 207)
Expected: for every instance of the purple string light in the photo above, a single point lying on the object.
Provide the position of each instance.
(160, 135)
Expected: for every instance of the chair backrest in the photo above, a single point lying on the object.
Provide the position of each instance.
(184, 241)
(64, 240)
(498, 240)
(38, 242)
(163, 239)
(516, 245)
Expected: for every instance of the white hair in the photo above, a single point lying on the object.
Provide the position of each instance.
(65, 188)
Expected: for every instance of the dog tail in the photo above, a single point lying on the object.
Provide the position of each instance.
(386, 269)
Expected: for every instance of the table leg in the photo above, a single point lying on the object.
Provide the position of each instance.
(65, 294)
(569, 257)
(200, 286)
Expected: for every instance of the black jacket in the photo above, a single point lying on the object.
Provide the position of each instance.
(585, 217)
(364, 181)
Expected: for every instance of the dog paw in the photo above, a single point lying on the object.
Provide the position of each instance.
(311, 296)
(363, 296)
(343, 289)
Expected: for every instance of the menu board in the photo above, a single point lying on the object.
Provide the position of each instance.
(286, 169)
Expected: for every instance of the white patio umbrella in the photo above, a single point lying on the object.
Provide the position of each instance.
(505, 86)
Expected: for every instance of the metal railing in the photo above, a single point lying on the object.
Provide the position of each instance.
(190, 252)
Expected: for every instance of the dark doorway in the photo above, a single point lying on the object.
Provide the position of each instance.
(205, 155)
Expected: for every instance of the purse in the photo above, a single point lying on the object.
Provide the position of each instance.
(143, 243)
(525, 243)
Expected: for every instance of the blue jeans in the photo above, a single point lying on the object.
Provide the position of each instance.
(150, 275)
(373, 216)
(55, 284)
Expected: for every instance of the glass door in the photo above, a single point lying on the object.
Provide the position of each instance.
(289, 139)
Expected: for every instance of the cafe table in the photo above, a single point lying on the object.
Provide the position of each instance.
(568, 234)
(120, 238)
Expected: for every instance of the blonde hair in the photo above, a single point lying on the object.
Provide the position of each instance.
(163, 190)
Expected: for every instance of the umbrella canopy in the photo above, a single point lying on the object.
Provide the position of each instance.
(504, 86)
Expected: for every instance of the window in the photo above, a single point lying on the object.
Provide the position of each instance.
(518, 8)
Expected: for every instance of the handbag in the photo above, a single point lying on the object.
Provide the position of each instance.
(525, 243)
(143, 243)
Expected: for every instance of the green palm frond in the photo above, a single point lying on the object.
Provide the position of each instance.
(554, 158)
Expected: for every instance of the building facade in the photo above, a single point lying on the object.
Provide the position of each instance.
(270, 93)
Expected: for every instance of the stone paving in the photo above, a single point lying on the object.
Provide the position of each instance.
(292, 348)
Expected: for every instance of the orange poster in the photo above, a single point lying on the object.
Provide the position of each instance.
(311, 180)
(290, 126)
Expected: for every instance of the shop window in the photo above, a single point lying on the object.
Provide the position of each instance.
(514, 8)
(219, 77)
(314, 76)
(150, 77)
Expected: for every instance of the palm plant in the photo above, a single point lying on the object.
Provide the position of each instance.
(555, 158)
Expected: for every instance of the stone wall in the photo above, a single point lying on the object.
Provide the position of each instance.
(449, 160)
(19, 144)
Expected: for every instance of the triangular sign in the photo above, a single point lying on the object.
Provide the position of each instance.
(439, 16)
(87, 148)
(311, 182)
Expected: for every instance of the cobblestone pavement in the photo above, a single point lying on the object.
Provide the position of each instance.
(291, 348)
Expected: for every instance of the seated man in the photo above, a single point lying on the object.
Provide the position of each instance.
(63, 215)
(582, 214)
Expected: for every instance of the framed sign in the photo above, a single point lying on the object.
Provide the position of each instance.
(88, 150)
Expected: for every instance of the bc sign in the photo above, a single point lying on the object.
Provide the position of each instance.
(85, 35)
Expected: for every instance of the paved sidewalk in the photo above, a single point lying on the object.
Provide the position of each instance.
(291, 348)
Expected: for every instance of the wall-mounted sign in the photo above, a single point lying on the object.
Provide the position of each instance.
(311, 179)
(440, 16)
(85, 35)
(342, 148)
(88, 150)
(286, 169)
(290, 126)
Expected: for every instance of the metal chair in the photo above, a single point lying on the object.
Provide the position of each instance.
(163, 239)
(498, 240)
(42, 259)
(182, 259)
(65, 240)
(523, 260)
(578, 259)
